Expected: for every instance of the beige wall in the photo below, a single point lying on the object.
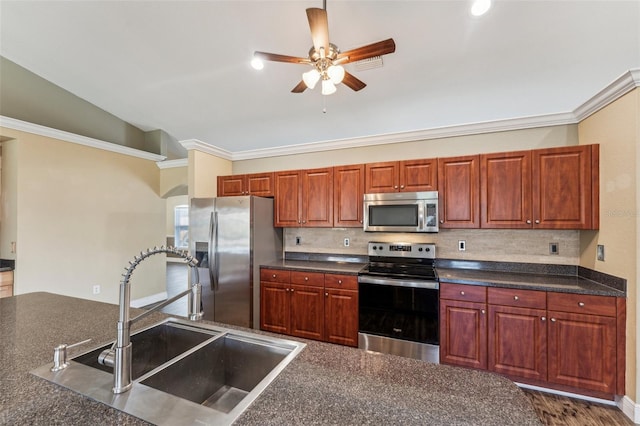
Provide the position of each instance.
(204, 170)
(174, 181)
(513, 140)
(81, 215)
(617, 129)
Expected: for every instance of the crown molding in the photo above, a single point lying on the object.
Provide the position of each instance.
(172, 164)
(195, 144)
(414, 135)
(615, 90)
(36, 129)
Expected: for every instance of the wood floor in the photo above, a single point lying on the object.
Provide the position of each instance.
(553, 410)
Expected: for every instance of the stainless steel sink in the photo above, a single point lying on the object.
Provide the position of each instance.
(184, 373)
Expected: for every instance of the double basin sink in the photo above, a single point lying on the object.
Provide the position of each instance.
(183, 372)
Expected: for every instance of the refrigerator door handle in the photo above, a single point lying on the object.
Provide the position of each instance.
(213, 251)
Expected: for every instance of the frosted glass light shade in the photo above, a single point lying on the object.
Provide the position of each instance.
(480, 7)
(335, 73)
(328, 87)
(257, 63)
(310, 78)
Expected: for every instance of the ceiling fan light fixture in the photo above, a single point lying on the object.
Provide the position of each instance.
(480, 7)
(328, 88)
(311, 78)
(335, 73)
(257, 64)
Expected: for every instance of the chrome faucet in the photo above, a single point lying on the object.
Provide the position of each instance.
(119, 356)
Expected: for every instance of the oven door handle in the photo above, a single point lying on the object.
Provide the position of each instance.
(431, 285)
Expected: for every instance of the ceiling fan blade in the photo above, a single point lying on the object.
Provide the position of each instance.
(369, 51)
(319, 26)
(280, 58)
(353, 82)
(301, 87)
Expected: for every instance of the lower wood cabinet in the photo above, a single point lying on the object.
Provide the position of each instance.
(310, 305)
(6, 284)
(569, 342)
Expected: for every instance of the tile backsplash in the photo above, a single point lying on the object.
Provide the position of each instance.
(507, 245)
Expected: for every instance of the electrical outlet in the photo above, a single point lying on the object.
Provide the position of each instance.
(553, 248)
(298, 240)
(346, 242)
(600, 252)
(462, 245)
(96, 289)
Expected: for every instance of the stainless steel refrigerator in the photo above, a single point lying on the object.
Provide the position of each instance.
(231, 237)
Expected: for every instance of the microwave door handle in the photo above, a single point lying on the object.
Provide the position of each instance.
(421, 225)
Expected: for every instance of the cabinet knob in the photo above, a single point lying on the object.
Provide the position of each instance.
(395, 187)
(581, 304)
(516, 298)
(304, 221)
(291, 290)
(326, 294)
(441, 220)
(462, 293)
(529, 221)
(543, 319)
(273, 276)
(537, 221)
(553, 320)
(483, 311)
(306, 278)
(339, 281)
(401, 186)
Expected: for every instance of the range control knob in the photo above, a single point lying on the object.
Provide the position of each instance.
(428, 249)
(420, 249)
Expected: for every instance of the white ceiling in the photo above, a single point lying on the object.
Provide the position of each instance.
(183, 66)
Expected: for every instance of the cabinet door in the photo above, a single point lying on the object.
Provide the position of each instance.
(307, 312)
(275, 312)
(419, 175)
(287, 199)
(317, 197)
(463, 333)
(348, 193)
(518, 342)
(505, 190)
(260, 184)
(459, 200)
(341, 317)
(229, 186)
(582, 351)
(382, 177)
(562, 188)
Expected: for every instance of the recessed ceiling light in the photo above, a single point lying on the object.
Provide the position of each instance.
(257, 63)
(480, 7)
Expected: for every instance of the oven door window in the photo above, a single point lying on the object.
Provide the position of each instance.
(393, 215)
(399, 312)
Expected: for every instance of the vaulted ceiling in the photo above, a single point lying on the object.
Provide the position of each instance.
(183, 66)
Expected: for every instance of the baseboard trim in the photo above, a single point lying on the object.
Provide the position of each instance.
(625, 404)
(149, 300)
(630, 409)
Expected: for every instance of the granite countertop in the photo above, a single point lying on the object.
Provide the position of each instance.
(325, 384)
(351, 268)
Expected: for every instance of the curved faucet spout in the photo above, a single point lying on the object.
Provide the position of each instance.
(119, 356)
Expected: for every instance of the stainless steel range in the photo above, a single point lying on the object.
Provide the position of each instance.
(398, 301)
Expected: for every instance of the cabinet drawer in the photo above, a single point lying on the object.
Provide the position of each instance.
(582, 304)
(516, 297)
(6, 278)
(275, 275)
(307, 278)
(471, 293)
(347, 282)
(6, 291)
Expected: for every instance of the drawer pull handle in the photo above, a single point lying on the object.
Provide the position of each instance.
(543, 319)
(581, 304)
(462, 293)
(515, 298)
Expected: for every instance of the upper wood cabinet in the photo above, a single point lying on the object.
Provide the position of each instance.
(304, 198)
(402, 176)
(458, 184)
(348, 192)
(555, 188)
(260, 184)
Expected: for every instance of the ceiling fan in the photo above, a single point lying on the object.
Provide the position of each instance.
(326, 59)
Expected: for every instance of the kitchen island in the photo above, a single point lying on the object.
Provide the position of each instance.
(325, 384)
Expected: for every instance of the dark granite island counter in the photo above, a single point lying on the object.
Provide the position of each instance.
(325, 384)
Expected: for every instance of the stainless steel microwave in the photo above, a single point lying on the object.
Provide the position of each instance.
(401, 212)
